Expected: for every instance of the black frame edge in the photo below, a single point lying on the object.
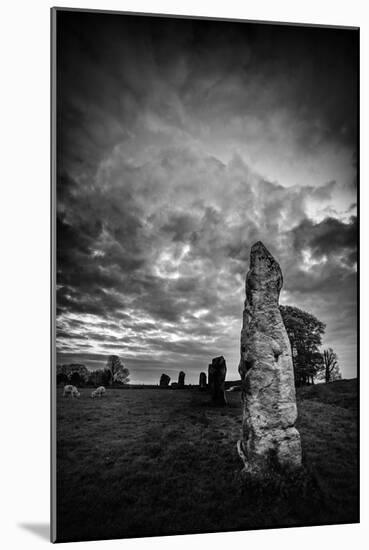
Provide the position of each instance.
(53, 530)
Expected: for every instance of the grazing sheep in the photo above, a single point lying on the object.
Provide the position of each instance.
(71, 391)
(99, 392)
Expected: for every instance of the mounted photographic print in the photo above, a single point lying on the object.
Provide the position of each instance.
(204, 273)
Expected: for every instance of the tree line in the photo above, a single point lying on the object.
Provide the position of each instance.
(113, 374)
(305, 333)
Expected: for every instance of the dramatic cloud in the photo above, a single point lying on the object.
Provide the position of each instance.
(181, 143)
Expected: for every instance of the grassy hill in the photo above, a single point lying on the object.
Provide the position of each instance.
(149, 462)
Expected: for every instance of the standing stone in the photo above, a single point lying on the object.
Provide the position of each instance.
(217, 374)
(202, 381)
(181, 379)
(164, 380)
(266, 369)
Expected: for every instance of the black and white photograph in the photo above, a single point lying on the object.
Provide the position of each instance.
(205, 257)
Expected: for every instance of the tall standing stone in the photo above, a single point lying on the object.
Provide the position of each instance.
(217, 374)
(266, 369)
(164, 380)
(181, 379)
(202, 381)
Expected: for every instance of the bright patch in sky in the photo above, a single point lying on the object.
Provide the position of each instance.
(309, 261)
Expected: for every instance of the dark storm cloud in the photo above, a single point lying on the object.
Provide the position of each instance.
(180, 143)
(329, 237)
(113, 68)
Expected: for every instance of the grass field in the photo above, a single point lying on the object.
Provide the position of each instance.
(159, 462)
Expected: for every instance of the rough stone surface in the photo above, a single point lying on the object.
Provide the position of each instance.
(266, 369)
(217, 374)
(164, 380)
(181, 379)
(202, 381)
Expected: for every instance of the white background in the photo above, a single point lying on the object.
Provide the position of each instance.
(24, 271)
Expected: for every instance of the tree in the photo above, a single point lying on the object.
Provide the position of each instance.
(106, 378)
(96, 378)
(305, 334)
(331, 368)
(61, 378)
(76, 379)
(119, 374)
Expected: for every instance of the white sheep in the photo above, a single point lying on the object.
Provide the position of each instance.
(99, 392)
(71, 390)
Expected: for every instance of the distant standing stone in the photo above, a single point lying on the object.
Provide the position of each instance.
(181, 379)
(266, 369)
(202, 381)
(164, 380)
(217, 375)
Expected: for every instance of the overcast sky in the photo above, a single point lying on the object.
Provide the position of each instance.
(180, 144)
